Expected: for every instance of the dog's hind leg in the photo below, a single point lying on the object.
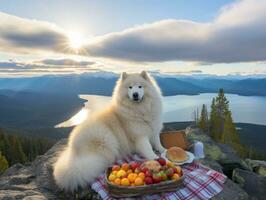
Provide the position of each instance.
(72, 171)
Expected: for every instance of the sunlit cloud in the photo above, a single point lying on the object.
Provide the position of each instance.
(76, 40)
(237, 34)
(20, 35)
(65, 62)
(48, 66)
(24, 35)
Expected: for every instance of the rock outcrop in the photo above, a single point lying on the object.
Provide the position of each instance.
(257, 166)
(35, 180)
(254, 184)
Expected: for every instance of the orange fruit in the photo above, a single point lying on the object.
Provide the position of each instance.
(125, 166)
(178, 169)
(175, 176)
(131, 177)
(141, 175)
(117, 181)
(121, 173)
(139, 181)
(125, 182)
(129, 171)
(132, 184)
(114, 172)
(170, 164)
(111, 177)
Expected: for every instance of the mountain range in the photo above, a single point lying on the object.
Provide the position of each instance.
(31, 106)
(102, 83)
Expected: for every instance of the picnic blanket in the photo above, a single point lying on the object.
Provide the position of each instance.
(200, 183)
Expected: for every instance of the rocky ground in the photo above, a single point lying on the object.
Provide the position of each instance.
(34, 181)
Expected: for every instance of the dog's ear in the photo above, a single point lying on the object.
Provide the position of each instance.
(145, 75)
(124, 76)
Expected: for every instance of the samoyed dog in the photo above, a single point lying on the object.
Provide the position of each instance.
(131, 123)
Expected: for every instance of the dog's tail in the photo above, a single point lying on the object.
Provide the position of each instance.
(72, 171)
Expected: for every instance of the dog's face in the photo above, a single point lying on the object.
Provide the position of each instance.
(135, 92)
(133, 86)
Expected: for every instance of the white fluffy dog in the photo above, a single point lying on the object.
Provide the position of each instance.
(131, 123)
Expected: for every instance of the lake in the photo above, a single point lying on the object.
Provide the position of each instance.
(179, 108)
(246, 109)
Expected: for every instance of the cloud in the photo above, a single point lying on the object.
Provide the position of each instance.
(237, 34)
(24, 35)
(175, 72)
(48, 66)
(9, 65)
(66, 62)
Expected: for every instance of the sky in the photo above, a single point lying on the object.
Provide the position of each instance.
(173, 37)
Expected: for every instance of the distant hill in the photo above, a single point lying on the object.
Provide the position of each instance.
(253, 135)
(35, 109)
(102, 84)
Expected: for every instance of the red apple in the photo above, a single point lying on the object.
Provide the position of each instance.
(174, 169)
(148, 173)
(156, 178)
(169, 172)
(116, 168)
(144, 169)
(148, 180)
(161, 161)
(134, 165)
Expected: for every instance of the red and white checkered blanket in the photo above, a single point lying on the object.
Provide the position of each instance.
(200, 183)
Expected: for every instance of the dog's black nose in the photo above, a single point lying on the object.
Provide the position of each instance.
(135, 95)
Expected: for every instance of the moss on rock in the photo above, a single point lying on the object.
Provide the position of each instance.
(211, 149)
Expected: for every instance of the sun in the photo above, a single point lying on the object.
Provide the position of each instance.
(76, 40)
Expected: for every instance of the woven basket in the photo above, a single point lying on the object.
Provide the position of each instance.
(174, 139)
(131, 191)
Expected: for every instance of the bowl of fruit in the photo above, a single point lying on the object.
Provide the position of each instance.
(143, 178)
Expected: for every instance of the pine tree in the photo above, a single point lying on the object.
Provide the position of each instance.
(22, 149)
(222, 108)
(213, 121)
(196, 116)
(222, 127)
(219, 110)
(5, 146)
(203, 121)
(230, 135)
(18, 155)
(3, 163)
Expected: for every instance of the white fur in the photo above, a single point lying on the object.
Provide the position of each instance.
(122, 128)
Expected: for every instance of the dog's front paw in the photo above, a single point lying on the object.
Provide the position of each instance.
(160, 149)
(152, 157)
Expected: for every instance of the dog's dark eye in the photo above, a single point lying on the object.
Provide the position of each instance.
(130, 87)
(140, 86)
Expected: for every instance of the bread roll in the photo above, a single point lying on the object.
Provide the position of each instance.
(176, 154)
(152, 165)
